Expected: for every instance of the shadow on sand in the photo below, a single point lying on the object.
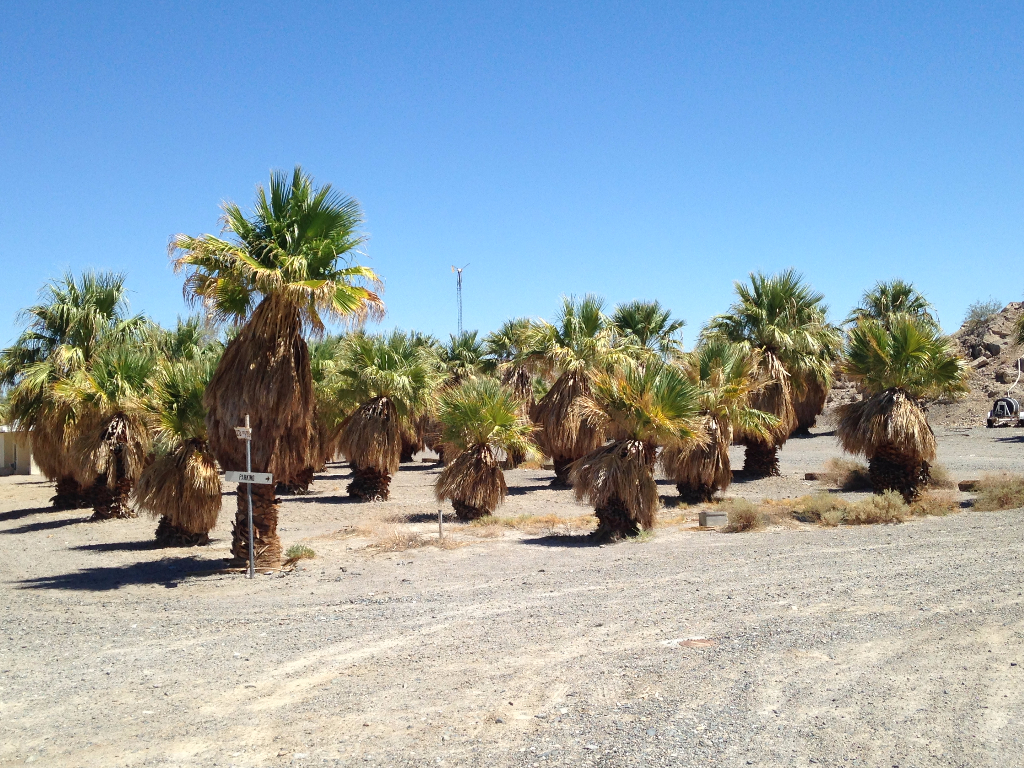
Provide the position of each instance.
(17, 514)
(168, 571)
(47, 525)
(119, 546)
(565, 540)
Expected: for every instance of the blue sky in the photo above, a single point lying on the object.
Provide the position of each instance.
(632, 150)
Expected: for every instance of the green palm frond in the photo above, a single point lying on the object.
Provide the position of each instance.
(649, 326)
(482, 412)
(299, 244)
(892, 298)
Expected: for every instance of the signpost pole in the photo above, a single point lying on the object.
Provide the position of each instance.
(248, 493)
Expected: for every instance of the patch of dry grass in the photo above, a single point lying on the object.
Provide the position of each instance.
(824, 508)
(846, 475)
(1000, 491)
(535, 524)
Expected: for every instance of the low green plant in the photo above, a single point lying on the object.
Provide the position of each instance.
(1000, 491)
(298, 552)
(980, 314)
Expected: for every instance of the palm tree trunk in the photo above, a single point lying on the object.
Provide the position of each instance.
(891, 470)
(562, 465)
(170, 535)
(466, 512)
(70, 494)
(695, 494)
(112, 503)
(369, 484)
(264, 527)
(298, 485)
(615, 522)
(761, 460)
(513, 459)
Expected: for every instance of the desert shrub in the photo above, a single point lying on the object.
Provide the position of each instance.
(548, 524)
(298, 552)
(823, 508)
(743, 515)
(1000, 491)
(939, 477)
(846, 474)
(888, 507)
(980, 314)
(935, 502)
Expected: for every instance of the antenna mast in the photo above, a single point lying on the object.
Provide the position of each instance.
(458, 290)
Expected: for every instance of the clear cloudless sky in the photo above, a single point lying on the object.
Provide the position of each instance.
(634, 150)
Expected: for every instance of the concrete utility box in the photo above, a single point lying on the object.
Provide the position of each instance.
(16, 453)
(712, 518)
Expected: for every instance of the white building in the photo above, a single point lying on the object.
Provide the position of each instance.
(16, 453)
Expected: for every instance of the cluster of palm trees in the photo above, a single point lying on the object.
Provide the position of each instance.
(122, 411)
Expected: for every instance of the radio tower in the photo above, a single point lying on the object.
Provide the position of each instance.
(458, 290)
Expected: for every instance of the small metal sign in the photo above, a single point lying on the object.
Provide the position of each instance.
(258, 478)
(243, 433)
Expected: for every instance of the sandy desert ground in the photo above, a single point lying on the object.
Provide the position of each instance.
(854, 646)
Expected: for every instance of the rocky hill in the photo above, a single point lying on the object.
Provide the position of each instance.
(992, 359)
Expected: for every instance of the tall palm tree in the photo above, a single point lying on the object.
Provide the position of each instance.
(112, 439)
(578, 347)
(478, 417)
(181, 483)
(782, 320)
(463, 357)
(280, 272)
(650, 326)
(63, 331)
(727, 379)
(888, 299)
(651, 406)
(391, 379)
(898, 364)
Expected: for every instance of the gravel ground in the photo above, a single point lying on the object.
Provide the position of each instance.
(873, 646)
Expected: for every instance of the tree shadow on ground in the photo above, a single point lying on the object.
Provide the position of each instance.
(17, 514)
(522, 490)
(47, 525)
(565, 540)
(168, 571)
(310, 498)
(119, 546)
(411, 467)
(1010, 439)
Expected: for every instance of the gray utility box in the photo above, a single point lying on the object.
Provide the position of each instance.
(712, 518)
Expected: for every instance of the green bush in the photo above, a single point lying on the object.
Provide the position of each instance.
(299, 552)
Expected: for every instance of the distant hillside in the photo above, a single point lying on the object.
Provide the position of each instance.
(992, 358)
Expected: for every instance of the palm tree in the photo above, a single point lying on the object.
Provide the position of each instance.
(649, 326)
(893, 298)
(63, 331)
(651, 406)
(181, 483)
(478, 417)
(508, 352)
(897, 364)
(727, 378)
(112, 437)
(576, 349)
(281, 271)
(782, 320)
(391, 379)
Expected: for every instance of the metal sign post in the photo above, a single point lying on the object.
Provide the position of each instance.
(245, 433)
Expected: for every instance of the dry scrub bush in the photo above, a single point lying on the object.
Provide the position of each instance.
(1000, 491)
(936, 503)
(824, 508)
(846, 474)
(888, 507)
(743, 515)
(940, 477)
